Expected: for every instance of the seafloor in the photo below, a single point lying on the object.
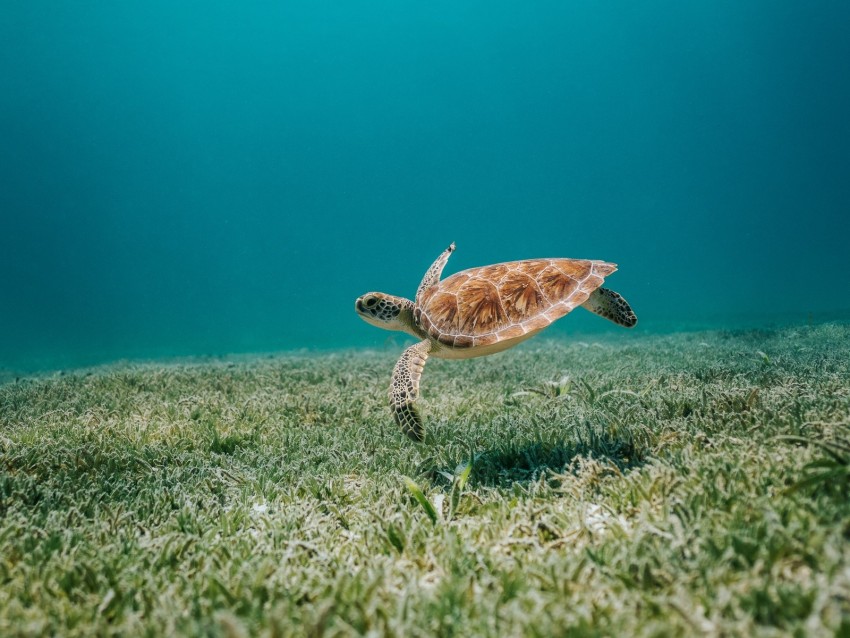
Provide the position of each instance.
(681, 484)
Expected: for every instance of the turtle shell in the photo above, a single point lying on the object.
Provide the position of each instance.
(491, 304)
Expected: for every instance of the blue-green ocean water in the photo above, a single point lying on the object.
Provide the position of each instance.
(190, 178)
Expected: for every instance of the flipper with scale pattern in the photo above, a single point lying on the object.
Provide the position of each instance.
(404, 389)
(611, 305)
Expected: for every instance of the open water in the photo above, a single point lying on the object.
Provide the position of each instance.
(193, 178)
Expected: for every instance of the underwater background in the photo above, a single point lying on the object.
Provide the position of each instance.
(203, 178)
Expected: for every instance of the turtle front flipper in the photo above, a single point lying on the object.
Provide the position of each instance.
(404, 389)
(611, 305)
(433, 275)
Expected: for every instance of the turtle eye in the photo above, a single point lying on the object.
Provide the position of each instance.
(370, 302)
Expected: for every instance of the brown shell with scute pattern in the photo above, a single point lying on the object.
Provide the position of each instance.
(484, 306)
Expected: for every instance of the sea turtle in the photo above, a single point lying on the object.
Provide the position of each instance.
(484, 310)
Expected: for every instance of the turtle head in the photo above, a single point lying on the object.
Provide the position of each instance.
(385, 311)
